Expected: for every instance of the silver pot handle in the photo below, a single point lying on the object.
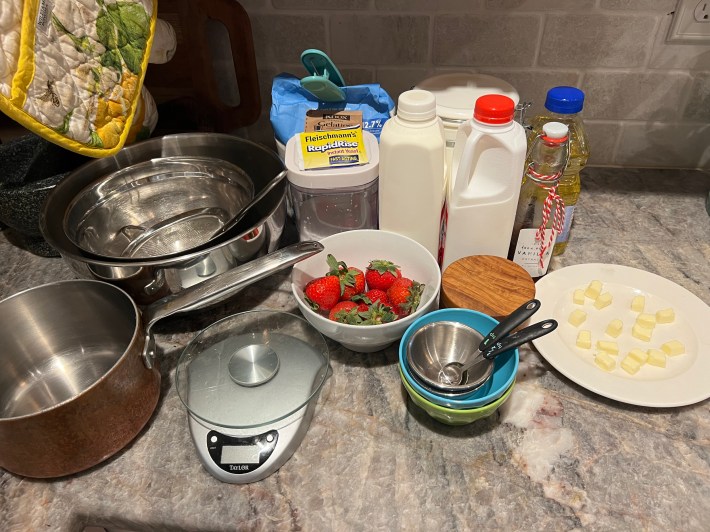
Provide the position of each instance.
(222, 285)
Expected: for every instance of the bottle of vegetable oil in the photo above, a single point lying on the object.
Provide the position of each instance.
(564, 104)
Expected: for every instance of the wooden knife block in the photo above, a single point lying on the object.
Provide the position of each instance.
(186, 88)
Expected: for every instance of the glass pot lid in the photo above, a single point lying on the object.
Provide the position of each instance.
(252, 369)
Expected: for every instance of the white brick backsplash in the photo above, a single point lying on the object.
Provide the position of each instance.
(698, 107)
(662, 145)
(588, 41)
(647, 101)
(485, 40)
(644, 96)
(379, 39)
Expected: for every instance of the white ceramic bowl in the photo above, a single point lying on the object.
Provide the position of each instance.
(357, 248)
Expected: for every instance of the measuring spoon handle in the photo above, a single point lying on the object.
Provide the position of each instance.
(522, 336)
(515, 318)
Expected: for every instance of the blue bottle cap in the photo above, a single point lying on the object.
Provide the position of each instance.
(564, 100)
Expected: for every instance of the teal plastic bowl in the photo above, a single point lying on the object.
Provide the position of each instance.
(504, 369)
(453, 416)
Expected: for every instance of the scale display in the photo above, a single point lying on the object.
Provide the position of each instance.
(239, 455)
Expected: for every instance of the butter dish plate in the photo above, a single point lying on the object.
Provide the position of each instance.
(684, 379)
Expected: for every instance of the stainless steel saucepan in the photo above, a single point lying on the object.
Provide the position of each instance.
(148, 279)
(78, 374)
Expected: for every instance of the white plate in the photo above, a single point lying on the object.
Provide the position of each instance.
(683, 381)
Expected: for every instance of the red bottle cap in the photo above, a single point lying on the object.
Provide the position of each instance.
(494, 109)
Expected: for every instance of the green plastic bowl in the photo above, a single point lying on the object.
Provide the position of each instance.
(451, 416)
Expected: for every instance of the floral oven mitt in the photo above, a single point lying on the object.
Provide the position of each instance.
(72, 71)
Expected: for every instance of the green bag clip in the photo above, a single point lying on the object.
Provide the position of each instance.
(325, 81)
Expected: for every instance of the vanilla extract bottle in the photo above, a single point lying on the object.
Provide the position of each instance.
(564, 104)
(540, 214)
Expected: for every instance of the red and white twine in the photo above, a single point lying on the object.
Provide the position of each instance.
(558, 220)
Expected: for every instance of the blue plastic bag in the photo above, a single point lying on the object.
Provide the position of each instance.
(290, 102)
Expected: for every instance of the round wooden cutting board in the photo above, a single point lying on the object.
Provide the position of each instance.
(491, 285)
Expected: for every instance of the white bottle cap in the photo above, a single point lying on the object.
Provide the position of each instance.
(416, 105)
(555, 130)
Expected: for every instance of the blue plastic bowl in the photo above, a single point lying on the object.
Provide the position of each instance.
(505, 365)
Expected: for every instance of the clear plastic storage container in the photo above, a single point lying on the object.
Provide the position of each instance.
(456, 94)
(332, 200)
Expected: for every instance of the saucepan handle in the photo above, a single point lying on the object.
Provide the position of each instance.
(223, 285)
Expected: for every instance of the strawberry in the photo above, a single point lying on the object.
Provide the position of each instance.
(381, 274)
(363, 302)
(375, 295)
(323, 293)
(345, 312)
(352, 280)
(405, 294)
(378, 314)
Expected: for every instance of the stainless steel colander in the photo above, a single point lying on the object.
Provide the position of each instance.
(157, 208)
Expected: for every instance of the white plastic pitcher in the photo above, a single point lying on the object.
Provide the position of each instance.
(487, 169)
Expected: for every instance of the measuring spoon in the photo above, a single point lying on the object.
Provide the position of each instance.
(510, 322)
(452, 373)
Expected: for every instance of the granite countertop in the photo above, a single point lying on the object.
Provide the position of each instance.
(555, 457)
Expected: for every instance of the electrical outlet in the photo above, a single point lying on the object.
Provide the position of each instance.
(691, 22)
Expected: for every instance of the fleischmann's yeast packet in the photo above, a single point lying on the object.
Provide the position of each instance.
(326, 149)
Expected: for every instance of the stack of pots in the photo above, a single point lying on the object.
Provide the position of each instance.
(148, 279)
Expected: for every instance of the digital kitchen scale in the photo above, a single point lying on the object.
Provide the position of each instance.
(251, 383)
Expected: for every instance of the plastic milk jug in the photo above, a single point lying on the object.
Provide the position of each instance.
(486, 173)
(412, 170)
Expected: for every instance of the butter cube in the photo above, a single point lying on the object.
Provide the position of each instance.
(642, 333)
(656, 357)
(604, 300)
(608, 347)
(639, 355)
(604, 361)
(584, 340)
(614, 328)
(593, 289)
(577, 317)
(673, 348)
(667, 315)
(630, 365)
(646, 320)
(638, 303)
(578, 297)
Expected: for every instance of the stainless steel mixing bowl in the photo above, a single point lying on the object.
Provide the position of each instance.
(147, 280)
(157, 208)
(439, 343)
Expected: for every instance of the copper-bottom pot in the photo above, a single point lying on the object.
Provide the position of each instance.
(77, 376)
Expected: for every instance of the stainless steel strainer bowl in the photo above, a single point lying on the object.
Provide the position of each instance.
(157, 208)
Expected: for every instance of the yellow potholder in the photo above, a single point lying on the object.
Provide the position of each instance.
(71, 71)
